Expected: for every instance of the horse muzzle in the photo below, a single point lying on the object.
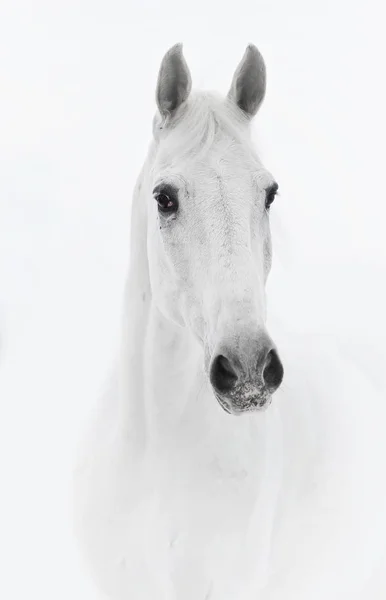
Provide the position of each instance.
(244, 375)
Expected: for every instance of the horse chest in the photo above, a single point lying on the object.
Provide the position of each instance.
(198, 531)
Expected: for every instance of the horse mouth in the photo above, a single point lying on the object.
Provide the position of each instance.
(255, 405)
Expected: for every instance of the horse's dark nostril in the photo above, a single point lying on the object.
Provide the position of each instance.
(223, 375)
(273, 370)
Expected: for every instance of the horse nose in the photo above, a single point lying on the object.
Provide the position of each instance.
(254, 370)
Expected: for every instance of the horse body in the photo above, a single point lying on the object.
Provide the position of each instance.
(258, 509)
(177, 499)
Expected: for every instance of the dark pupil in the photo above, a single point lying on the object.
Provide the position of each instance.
(165, 202)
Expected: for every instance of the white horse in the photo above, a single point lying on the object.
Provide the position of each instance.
(192, 485)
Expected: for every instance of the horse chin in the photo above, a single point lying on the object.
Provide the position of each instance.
(257, 405)
(224, 404)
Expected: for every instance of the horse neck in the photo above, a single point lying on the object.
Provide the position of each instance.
(136, 305)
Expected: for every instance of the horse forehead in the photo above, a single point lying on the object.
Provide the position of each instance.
(223, 176)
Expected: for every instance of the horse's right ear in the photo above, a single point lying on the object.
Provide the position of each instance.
(174, 82)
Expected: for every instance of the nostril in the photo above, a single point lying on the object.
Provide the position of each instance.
(273, 370)
(223, 375)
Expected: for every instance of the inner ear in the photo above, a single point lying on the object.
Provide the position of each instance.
(249, 82)
(174, 82)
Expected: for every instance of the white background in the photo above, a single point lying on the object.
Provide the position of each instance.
(77, 85)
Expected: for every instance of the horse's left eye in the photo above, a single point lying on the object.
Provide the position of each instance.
(270, 194)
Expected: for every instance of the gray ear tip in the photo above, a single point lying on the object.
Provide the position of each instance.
(252, 49)
(176, 49)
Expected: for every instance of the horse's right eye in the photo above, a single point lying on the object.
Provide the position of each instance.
(166, 199)
(165, 203)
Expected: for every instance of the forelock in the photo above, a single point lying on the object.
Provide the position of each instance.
(204, 123)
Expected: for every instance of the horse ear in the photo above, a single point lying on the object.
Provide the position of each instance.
(249, 82)
(174, 81)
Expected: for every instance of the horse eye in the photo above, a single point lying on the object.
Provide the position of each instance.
(166, 200)
(270, 194)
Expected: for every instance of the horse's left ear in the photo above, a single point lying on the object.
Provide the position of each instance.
(249, 82)
(174, 82)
